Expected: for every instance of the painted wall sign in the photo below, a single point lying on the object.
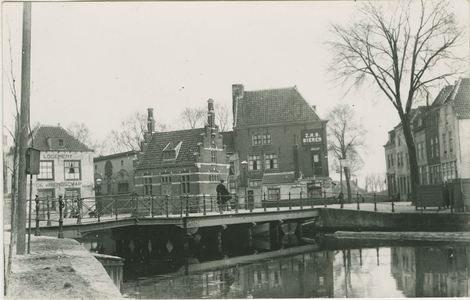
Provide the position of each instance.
(59, 156)
(58, 184)
(311, 137)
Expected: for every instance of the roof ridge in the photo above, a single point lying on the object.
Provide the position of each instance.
(275, 89)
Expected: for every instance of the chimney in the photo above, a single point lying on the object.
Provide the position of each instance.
(150, 121)
(211, 116)
(49, 142)
(238, 91)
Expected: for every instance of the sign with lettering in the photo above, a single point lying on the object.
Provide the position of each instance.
(311, 136)
(58, 184)
(50, 156)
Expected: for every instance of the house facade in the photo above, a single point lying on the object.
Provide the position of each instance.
(280, 144)
(114, 174)
(183, 162)
(66, 164)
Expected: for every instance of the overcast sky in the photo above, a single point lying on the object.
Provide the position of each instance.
(95, 63)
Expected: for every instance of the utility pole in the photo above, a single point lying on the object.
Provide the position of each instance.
(24, 126)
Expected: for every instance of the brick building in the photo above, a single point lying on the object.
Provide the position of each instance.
(279, 143)
(183, 162)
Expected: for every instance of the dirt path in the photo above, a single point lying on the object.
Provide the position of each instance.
(59, 269)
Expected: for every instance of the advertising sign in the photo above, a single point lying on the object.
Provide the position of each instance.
(311, 136)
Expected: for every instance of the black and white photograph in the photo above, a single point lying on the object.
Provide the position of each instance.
(236, 149)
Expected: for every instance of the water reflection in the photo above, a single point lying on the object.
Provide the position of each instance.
(259, 268)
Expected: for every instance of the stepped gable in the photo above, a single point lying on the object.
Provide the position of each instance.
(153, 156)
(274, 106)
(54, 133)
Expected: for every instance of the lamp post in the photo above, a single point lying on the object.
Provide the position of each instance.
(245, 181)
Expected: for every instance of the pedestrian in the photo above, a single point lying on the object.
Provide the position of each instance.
(223, 195)
(341, 197)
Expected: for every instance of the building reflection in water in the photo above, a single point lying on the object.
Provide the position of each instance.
(431, 271)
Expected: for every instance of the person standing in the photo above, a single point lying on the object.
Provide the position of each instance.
(223, 195)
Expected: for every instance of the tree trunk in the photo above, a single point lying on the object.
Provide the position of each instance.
(413, 163)
(347, 175)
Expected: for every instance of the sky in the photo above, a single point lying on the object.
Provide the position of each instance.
(97, 62)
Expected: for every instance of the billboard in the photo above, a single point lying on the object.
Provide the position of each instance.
(311, 136)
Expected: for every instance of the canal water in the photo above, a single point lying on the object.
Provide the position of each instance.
(294, 269)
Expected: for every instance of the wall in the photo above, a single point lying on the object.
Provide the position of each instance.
(463, 137)
(121, 163)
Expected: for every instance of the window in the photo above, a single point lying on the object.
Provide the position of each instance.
(399, 140)
(108, 169)
(72, 170)
(419, 150)
(431, 153)
(422, 150)
(266, 139)
(46, 170)
(256, 139)
(398, 159)
(254, 162)
(123, 187)
(61, 143)
(254, 183)
(169, 154)
(273, 193)
(185, 188)
(271, 161)
(213, 156)
(214, 177)
(96, 167)
(233, 186)
(436, 144)
(166, 179)
(231, 171)
(444, 143)
(148, 186)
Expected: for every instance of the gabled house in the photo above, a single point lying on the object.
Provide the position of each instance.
(183, 162)
(280, 143)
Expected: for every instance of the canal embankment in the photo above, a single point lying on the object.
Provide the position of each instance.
(58, 269)
(462, 237)
(332, 220)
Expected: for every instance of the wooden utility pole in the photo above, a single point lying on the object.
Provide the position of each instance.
(24, 126)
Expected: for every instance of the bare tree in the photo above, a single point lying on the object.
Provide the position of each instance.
(192, 117)
(345, 135)
(129, 135)
(81, 132)
(223, 116)
(402, 55)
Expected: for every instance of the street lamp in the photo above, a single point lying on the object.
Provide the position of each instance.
(245, 181)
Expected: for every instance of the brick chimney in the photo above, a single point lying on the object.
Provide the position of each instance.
(150, 121)
(238, 91)
(211, 116)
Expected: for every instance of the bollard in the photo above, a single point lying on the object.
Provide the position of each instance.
(278, 198)
(204, 204)
(80, 210)
(393, 206)
(290, 206)
(236, 204)
(264, 201)
(61, 220)
(375, 202)
(37, 232)
(48, 212)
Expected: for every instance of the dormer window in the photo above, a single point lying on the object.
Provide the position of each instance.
(171, 151)
(61, 143)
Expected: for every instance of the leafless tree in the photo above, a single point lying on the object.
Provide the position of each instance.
(223, 116)
(192, 118)
(81, 132)
(402, 48)
(345, 135)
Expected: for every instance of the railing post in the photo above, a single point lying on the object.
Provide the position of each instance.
(324, 197)
(375, 202)
(212, 205)
(278, 198)
(80, 210)
(311, 196)
(37, 232)
(393, 206)
(152, 206)
(357, 200)
(249, 203)
(61, 220)
(98, 209)
(236, 204)
(187, 205)
(301, 207)
(219, 204)
(48, 212)
(290, 204)
(166, 204)
(204, 204)
(264, 201)
(65, 211)
(136, 211)
(181, 206)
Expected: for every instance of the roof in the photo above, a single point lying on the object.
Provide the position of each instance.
(115, 155)
(153, 156)
(228, 141)
(461, 97)
(42, 133)
(276, 178)
(275, 106)
(442, 96)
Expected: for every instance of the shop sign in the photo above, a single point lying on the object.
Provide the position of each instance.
(58, 184)
(311, 137)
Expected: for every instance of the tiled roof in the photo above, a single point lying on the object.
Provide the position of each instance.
(462, 98)
(228, 141)
(115, 155)
(442, 96)
(43, 132)
(275, 178)
(153, 157)
(273, 107)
